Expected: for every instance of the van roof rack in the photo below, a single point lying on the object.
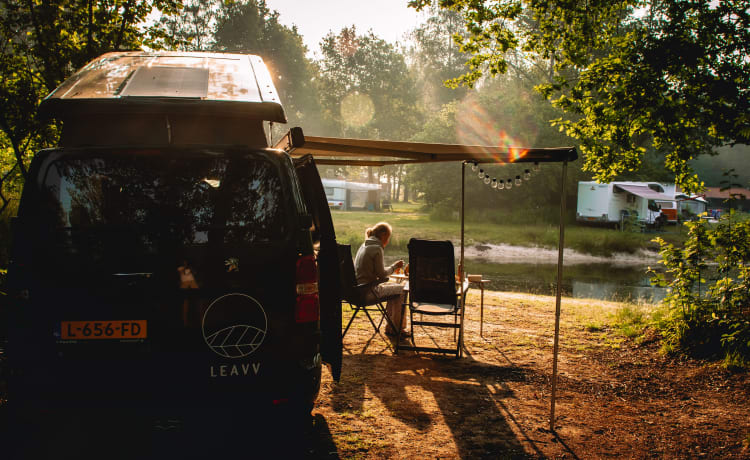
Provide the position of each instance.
(168, 82)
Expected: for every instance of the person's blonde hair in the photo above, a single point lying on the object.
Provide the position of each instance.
(378, 230)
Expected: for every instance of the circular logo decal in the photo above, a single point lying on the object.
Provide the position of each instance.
(234, 325)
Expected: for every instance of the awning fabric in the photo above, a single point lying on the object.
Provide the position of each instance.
(366, 152)
(644, 192)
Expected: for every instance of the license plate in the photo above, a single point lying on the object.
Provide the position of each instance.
(83, 330)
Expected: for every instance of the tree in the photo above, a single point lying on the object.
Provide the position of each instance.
(436, 57)
(634, 74)
(251, 27)
(193, 28)
(42, 44)
(503, 112)
(366, 88)
(367, 91)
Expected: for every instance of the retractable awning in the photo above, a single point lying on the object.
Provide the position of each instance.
(644, 192)
(365, 152)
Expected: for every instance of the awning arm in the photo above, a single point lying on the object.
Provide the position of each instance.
(346, 151)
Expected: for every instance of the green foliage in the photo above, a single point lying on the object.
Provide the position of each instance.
(350, 227)
(505, 111)
(249, 26)
(632, 75)
(366, 88)
(709, 297)
(436, 58)
(631, 320)
(42, 44)
(193, 28)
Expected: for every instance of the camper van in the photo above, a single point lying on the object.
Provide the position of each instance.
(163, 253)
(611, 203)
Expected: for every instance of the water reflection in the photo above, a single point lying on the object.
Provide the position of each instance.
(597, 281)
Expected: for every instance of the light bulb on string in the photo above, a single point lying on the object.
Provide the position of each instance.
(494, 183)
(487, 179)
(509, 184)
(474, 167)
(526, 174)
(537, 167)
(481, 174)
(518, 181)
(500, 184)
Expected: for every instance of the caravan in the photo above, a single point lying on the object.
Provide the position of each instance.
(612, 203)
(345, 195)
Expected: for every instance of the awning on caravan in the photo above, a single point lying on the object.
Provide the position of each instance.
(644, 192)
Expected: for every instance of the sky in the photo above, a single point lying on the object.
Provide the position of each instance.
(388, 19)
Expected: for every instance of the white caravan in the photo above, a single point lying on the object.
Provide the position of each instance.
(610, 203)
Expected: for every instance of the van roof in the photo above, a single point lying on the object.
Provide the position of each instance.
(167, 82)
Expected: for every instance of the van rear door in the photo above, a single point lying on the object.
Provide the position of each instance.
(328, 265)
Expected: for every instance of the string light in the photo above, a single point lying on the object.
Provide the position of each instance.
(501, 184)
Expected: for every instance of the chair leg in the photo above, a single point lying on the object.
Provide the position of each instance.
(377, 328)
(411, 324)
(380, 323)
(356, 310)
(385, 316)
(454, 329)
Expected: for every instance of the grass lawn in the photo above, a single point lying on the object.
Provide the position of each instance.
(408, 222)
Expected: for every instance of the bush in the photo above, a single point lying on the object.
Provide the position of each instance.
(709, 291)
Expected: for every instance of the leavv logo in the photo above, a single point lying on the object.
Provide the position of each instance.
(234, 325)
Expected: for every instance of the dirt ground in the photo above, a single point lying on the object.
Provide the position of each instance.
(616, 398)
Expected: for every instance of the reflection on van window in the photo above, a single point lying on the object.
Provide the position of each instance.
(190, 200)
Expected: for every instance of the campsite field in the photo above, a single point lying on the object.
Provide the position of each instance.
(408, 222)
(616, 398)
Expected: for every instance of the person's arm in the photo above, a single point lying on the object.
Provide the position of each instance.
(380, 270)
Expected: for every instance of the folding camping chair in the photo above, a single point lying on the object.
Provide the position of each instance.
(432, 292)
(360, 297)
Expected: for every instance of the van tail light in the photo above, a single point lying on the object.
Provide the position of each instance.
(307, 307)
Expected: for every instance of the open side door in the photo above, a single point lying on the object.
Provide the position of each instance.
(329, 287)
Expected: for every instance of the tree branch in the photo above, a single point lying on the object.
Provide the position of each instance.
(14, 142)
(125, 20)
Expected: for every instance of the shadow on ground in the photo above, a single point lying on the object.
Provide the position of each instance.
(101, 434)
(425, 390)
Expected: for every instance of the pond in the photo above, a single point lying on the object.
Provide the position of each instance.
(606, 281)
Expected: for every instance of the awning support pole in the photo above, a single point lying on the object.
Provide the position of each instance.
(560, 250)
(461, 262)
(463, 193)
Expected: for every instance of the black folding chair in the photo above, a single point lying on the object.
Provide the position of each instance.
(360, 297)
(432, 293)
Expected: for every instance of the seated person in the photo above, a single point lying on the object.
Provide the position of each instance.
(370, 267)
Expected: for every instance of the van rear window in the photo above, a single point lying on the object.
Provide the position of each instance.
(191, 199)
